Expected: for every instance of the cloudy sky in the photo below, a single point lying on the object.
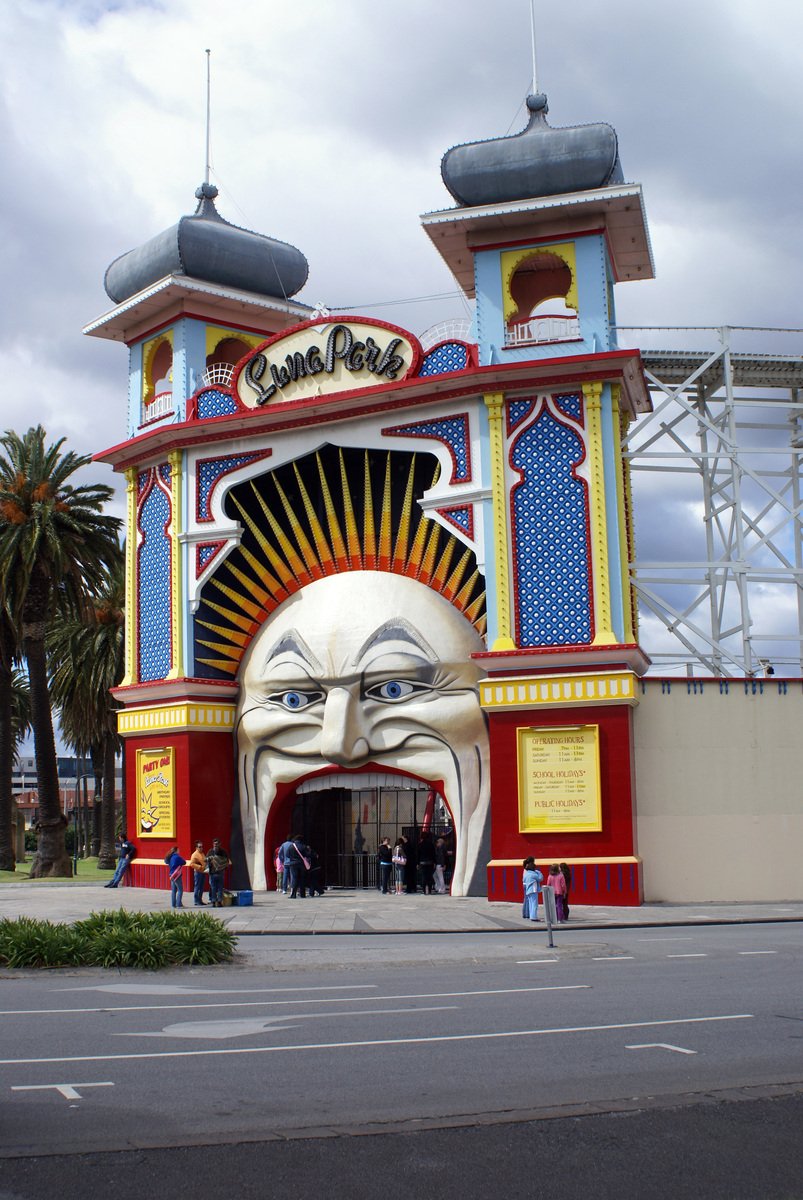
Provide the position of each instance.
(329, 121)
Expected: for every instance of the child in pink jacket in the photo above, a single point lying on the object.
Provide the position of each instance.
(555, 880)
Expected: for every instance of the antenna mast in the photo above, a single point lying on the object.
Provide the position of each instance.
(532, 36)
(208, 111)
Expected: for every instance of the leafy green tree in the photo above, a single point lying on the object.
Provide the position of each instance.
(55, 544)
(15, 716)
(86, 659)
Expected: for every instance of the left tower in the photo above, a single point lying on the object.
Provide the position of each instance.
(189, 304)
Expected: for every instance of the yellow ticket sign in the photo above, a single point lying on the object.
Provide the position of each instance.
(559, 785)
(156, 793)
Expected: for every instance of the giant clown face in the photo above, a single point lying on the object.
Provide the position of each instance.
(365, 670)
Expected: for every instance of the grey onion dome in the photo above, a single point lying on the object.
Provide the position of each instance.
(538, 161)
(205, 246)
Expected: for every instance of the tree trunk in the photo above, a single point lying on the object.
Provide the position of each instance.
(106, 856)
(97, 768)
(87, 846)
(7, 856)
(51, 858)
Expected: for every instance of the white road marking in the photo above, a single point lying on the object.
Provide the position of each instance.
(523, 962)
(687, 956)
(174, 989)
(67, 1090)
(660, 1046)
(406, 1041)
(745, 952)
(614, 958)
(118, 1008)
(218, 1030)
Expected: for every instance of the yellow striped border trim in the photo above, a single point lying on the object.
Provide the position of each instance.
(218, 718)
(494, 402)
(603, 623)
(130, 578)
(562, 691)
(622, 484)
(175, 459)
(570, 862)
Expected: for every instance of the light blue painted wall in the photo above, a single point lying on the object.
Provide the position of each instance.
(593, 276)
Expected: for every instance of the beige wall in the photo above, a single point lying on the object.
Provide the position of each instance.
(719, 791)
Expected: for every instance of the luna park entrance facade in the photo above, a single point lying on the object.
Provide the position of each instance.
(346, 824)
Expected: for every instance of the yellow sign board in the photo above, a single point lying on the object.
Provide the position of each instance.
(156, 793)
(559, 783)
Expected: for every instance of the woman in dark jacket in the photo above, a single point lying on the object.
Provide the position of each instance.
(411, 870)
(426, 859)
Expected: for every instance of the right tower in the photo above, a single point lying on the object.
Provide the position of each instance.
(544, 227)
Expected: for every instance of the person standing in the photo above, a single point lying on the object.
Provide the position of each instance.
(531, 880)
(315, 884)
(295, 865)
(198, 864)
(556, 881)
(441, 862)
(126, 851)
(384, 865)
(411, 870)
(426, 860)
(175, 865)
(399, 860)
(216, 860)
(284, 854)
(566, 872)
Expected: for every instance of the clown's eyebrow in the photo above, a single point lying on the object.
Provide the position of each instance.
(293, 642)
(397, 631)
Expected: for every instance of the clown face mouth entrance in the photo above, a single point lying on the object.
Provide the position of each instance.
(344, 818)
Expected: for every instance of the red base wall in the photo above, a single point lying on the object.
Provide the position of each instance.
(204, 782)
(610, 883)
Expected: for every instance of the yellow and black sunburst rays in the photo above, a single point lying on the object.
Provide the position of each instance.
(299, 525)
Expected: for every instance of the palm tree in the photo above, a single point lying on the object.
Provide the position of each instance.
(86, 660)
(55, 542)
(14, 723)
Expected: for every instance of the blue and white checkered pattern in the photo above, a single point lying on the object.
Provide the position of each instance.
(207, 553)
(212, 403)
(550, 537)
(448, 356)
(209, 472)
(517, 411)
(154, 584)
(571, 404)
(460, 517)
(451, 430)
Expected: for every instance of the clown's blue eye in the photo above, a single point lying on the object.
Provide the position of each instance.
(294, 700)
(392, 690)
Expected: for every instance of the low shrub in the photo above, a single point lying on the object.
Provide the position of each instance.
(27, 942)
(117, 939)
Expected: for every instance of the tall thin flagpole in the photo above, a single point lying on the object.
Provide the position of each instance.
(532, 35)
(208, 111)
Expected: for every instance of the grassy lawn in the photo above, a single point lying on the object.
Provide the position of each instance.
(87, 873)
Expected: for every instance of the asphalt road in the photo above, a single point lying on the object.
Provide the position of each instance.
(680, 1044)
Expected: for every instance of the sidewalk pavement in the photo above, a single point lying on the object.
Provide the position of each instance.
(350, 911)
